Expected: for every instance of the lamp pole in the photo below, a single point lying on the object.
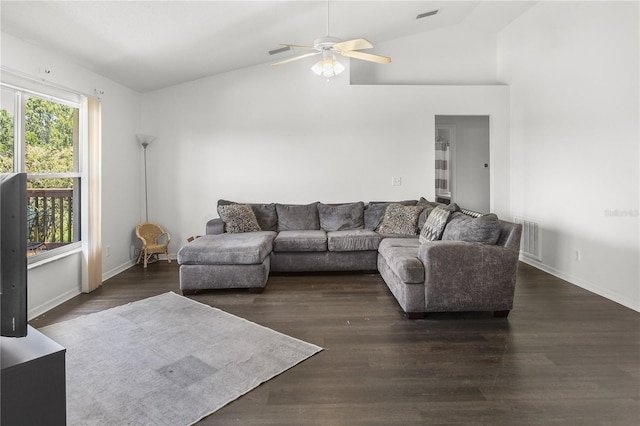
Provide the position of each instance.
(146, 196)
(145, 141)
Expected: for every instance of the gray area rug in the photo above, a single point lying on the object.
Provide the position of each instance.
(166, 360)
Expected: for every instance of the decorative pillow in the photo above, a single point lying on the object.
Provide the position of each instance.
(399, 219)
(298, 217)
(265, 214)
(375, 210)
(341, 217)
(434, 225)
(484, 229)
(238, 218)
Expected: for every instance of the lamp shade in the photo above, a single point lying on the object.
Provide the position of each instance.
(145, 140)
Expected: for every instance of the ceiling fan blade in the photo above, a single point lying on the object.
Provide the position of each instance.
(366, 56)
(357, 44)
(295, 58)
(297, 46)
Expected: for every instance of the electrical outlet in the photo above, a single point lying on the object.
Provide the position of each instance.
(108, 250)
(578, 256)
(396, 181)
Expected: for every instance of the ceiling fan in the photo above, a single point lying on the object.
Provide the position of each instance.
(327, 46)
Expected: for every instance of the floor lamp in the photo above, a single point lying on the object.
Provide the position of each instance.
(145, 141)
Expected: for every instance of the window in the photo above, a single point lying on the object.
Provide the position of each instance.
(40, 135)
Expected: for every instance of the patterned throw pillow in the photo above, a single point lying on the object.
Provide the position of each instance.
(238, 218)
(399, 219)
(435, 224)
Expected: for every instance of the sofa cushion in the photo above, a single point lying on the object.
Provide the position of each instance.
(238, 218)
(266, 214)
(300, 241)
(399, 219)
(374, 212)
(373, 215)
(484, 229)
(353, 240)
(298, 217)
(428, 208)
(248, 248)
(341, 217)
(401, 255)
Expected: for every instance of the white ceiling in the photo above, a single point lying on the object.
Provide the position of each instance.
(147, 45)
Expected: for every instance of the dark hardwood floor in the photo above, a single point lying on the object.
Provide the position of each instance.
(564, 355)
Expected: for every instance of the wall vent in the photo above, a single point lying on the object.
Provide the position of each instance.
(530, 241)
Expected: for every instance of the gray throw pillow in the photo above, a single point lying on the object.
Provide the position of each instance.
(298, 217)
(401, 220)
(238, 218)
(484, 229)
(341, 217)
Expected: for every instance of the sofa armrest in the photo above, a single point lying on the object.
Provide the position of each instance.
(215, 226)
(462, 276)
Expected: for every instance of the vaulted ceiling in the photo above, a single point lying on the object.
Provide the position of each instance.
(147, 45)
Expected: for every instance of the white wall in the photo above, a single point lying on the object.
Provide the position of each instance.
(265, 134)
(54, 282)
(573, 72)
(456, 55)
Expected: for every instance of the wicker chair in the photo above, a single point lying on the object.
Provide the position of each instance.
(151, 234)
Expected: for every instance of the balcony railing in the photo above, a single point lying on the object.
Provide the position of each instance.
(50, 218)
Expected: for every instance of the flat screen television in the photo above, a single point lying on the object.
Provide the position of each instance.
(13, 254)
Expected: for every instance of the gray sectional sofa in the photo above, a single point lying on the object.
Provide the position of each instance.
(433, 258)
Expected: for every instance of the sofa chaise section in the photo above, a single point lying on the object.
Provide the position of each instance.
(226, 261)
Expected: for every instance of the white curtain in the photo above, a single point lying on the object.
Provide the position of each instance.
(92, 244)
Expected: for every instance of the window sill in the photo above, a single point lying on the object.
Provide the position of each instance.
(54, 255)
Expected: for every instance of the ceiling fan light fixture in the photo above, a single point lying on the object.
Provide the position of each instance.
(328, 66)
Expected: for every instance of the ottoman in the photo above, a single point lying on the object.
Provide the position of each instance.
(239, 260)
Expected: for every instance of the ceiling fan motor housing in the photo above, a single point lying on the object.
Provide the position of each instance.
(325, 43)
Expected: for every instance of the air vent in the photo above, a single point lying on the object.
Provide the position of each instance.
(424, 15)
(279, 50)
(530, 240)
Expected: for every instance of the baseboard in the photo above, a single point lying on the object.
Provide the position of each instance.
(52, 303)
(121, 268)
(115, 271)
(589, 286)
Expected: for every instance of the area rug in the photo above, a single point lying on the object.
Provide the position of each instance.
(166, 360)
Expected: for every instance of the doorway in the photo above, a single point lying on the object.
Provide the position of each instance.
(462, 161)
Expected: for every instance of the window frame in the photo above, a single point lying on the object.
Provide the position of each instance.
(73, 100)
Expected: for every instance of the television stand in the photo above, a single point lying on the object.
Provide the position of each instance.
(32, 384)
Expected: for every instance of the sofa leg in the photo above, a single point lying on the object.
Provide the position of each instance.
(256, 290)
(415, 315)
(189, 292)
(501, 314)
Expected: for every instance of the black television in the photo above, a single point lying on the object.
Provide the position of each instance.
(13, 254)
